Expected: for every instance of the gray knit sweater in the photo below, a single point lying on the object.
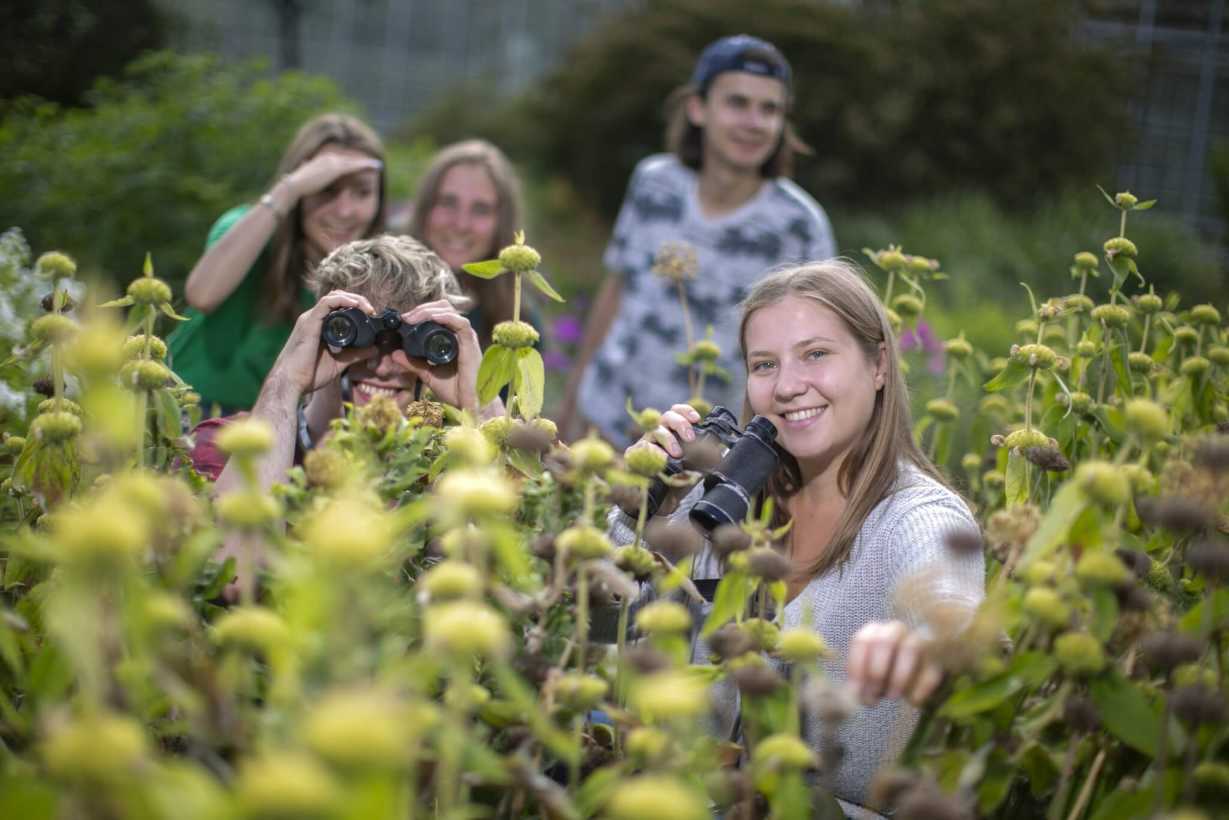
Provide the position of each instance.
(903, 535)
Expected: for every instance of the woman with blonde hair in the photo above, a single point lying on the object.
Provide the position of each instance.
(467, 207)
(245, 292)
(869, 510)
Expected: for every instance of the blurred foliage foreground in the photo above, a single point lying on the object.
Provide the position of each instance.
(420, 641)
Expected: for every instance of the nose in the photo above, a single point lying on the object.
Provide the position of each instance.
(789, 383)
(346, 202)
(382, 365)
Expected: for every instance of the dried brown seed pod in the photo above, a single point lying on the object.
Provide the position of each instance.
(1136, 560)
(646, 660)
(674, 539)
(1174, 512)
(1050, 459)
(730, 641)
(888, 786)
(1080, 714)
(756, 681)
(702, 454)
(925, 802)
(544, 547)
(730, 538)
(1133, 598)
(768, 564)
(1212, 454)
(965, 541)
(626, 498)
(1163, 651)
(1198, 705)
(44, 387)
(529, 438)
(1210, 558)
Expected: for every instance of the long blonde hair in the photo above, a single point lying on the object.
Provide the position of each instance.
(288, 266)
(494, 296)
(870, 470)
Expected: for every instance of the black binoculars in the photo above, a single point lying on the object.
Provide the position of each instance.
(351, 327)
(750, 460)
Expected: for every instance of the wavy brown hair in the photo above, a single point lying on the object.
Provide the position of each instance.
(494, 296)
(288, 268)
(870, 470)
(390, 271)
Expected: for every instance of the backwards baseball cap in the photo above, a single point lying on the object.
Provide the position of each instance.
(740, 52)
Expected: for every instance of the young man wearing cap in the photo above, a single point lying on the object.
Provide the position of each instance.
(723, 190)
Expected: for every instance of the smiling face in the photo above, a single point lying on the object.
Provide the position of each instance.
(462, 221)
(743, 117)
(342, 212)
(808, 374)
(385, 373)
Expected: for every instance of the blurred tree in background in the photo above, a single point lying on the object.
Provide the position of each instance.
(155, 158)
(54, 49)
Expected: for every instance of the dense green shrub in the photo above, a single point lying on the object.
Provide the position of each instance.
(157, 157)
(925, 98)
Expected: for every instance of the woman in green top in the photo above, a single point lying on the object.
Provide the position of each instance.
(246, 291)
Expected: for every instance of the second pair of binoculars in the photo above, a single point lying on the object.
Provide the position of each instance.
(351, 327)
(751, 457)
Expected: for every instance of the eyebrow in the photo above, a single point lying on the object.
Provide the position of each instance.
(803, 343)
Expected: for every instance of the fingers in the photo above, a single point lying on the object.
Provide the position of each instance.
(674, 427)
(927, 682)
(339, 300)
(886, 659)
(324, 169)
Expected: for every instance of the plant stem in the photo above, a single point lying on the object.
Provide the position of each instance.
(516, 297)
(1086, 790)
(1064, 783)
(887, 293)
(1028, 400)
(582, 617)
(1122, 225)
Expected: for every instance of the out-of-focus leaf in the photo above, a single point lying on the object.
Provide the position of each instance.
(498, 368)
(1126, 712)
(729, 601)
(1068, 503)
(539, 282)
(484, 270)
(530, 382)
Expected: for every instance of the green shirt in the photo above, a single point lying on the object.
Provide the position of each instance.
(225, 354)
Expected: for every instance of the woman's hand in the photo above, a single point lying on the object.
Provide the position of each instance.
(887, 659)
(305, 363)
(455, 383)
(320, 172)
(675, 427)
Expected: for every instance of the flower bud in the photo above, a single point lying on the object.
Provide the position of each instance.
(1087, 348)
(958, 348)
(943, 409)
(246, 438)
(970, 462)
(1079, 654)
(584, 542)
(134, 347)
(519, 258)
(249, 509)
(1101, 568)
(449, 580)
(647, 744)
(891, 259)
(1026, 328)
(1146, 419)
(1112, 315)
(251, 627)
(55, 265)
(1205, 315)
(327, 468)
(149, 290)
(1185, 335)
(670, 695)
(1035, 355)
(655, 797)
(1120, 246)
(783, 751)
(13, 445)
(496, 431)
(1023, 439)
(283, 785)
(764, 634)
(1103, 483)
(894, 322)
(993, 479)
(1047, 606)
(1194, 366)
(1078, 303)
(98, 749)
(53, 328)
(802, 646)
(1139, 362)
(1148, 303)
(362, 729)
(55, 427)
(467, 628)
(1085, 260)
(145, 374)
(592, 455)
(349, 531)
(705, 350)
(1140, 478)
(645, 459)
(636, 561)
(1219, 354)
(1125, 200)
(907, 305)
(663, 618)
(1039, 572)
(994, 403)
(476, 492)
(580, 692)
(515, 335)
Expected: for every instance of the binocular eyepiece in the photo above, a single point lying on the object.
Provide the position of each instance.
(351, 327)
(752, 456)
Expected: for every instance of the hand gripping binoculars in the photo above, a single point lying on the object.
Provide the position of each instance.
(351, 327)
(751, 457)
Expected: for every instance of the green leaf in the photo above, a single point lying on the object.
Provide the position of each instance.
(1217, 605)
(530, 381)
(1145, 205)
(1126, 712)
(166, 408)
(27, 798)
(123, 301)
(1027, 669)
(1108, 198)
(1016, 487)
(539, 281)
(498, 368)
(1104, 613)
(1126, 805)
(484, 270)
(1013, 374)
(148, 268)
(166, 308)
(1065, 508)
(526, 463)
(729, 601)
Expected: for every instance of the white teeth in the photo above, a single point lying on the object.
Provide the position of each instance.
(372, 390)
(799, 415)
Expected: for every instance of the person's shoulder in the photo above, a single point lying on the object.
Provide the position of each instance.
(661, 167)
(790, 195)
(918, 495)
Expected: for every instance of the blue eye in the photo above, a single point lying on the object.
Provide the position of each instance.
(817, 354)
(760, 366)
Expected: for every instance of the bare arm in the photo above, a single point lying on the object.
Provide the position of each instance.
(597, 325)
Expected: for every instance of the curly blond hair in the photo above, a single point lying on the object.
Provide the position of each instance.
(390, 271)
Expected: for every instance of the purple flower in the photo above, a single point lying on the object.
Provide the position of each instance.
(923, 338)
(556, 360)
(567, 329)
